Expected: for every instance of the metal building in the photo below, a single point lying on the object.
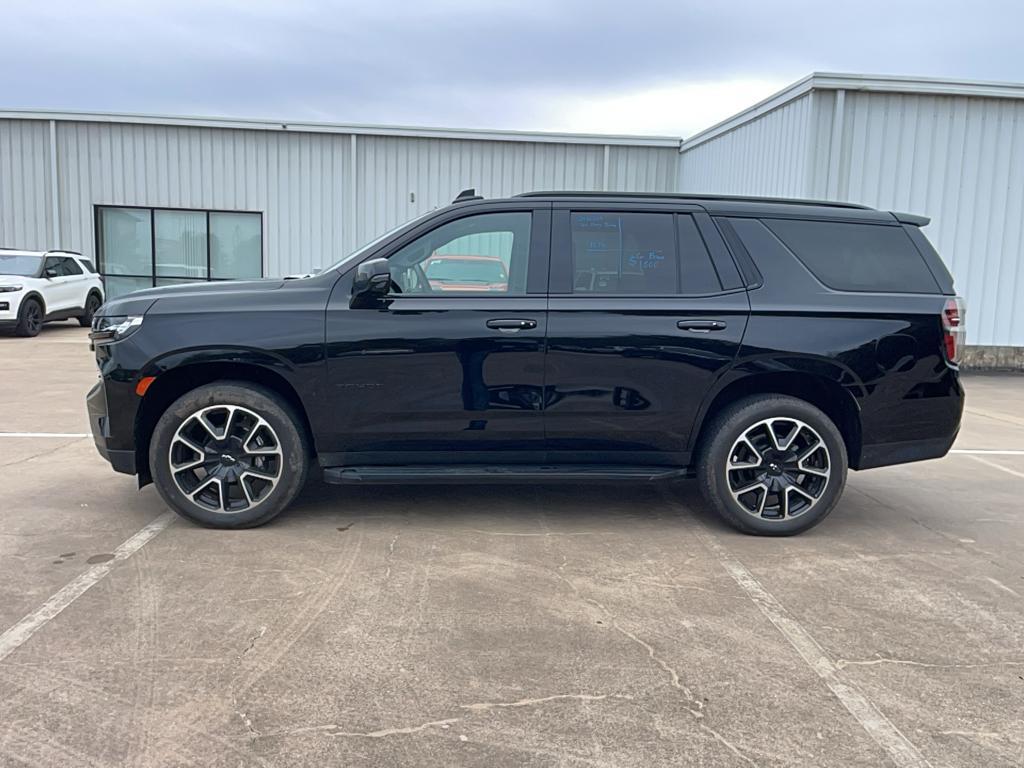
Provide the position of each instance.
(166, 199)
(952, 150)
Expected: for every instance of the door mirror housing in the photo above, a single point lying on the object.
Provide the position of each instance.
(372, 283)
(50, 272)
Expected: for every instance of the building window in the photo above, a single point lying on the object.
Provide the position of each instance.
(144, 247)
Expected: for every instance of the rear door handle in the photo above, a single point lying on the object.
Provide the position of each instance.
(700, 326)
(511, 324)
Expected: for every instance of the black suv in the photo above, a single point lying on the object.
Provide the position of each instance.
(760, 345)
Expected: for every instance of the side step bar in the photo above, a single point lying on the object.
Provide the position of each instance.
(507, 473)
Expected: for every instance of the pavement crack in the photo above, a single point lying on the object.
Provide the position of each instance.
(485, 706)
(726, 743)
(694, 705)
(247, 721)
(391, 555)
(47, 452)
(333, 729)
(252, 640)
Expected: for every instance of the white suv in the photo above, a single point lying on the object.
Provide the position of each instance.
(38, 286)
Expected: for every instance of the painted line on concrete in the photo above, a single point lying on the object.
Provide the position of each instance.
(20, 633)
(985, 452)
(44, 434)
(879, 727)
(992, 464)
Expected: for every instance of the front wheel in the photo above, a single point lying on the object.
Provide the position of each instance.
(228, 455)
(30, 318)
(772, 465)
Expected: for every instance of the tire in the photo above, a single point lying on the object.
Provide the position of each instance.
(793, 483)
(92, 303)
(241, 481)
(30, 318)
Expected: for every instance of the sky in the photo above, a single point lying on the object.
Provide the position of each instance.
(631, 66)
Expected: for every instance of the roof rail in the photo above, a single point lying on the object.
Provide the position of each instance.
(694, 196)
(61, 250)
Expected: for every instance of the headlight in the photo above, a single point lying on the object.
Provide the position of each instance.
(107, 330)
(10, 288)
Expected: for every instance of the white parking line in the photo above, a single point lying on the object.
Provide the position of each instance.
(44, 434)
(878, 726)
(17, 635)
(985, 452)
(992, 464)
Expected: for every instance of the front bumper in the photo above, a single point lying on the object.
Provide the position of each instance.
(122, 460)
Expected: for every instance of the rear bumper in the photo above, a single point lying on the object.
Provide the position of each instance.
(886, 454)
(122, 460)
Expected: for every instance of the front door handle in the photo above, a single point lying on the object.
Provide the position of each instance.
(512, 324)
(700, 326)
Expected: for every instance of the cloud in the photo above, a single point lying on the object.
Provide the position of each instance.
(589, 65)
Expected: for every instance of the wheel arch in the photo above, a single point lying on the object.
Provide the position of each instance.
(824, 393)
(173, 383)
(34, 295)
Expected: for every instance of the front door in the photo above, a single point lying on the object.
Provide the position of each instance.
(646, 311)
(65, 283)
(449, 368)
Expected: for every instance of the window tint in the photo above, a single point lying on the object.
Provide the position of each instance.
(70, 267)
(856, 257)
(88, 266)
(624, 253)
(487, 253)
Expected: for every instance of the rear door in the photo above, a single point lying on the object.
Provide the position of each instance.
(646, 311)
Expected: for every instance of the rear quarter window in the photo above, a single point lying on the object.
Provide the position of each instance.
(856, 257)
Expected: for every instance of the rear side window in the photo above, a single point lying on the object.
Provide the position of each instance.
(88, 266)
(70, 267)
(639, 254)
(856, 257)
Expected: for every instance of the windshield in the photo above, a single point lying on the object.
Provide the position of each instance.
(19, 264)
(354, 256)
(465, 270)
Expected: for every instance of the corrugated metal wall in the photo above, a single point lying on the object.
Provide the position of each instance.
(25, 184)
(766, 156)
(314, 210)
(959, 160)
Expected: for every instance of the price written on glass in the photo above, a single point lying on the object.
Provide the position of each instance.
(645, 261)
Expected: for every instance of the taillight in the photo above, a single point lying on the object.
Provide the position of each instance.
(953, 329)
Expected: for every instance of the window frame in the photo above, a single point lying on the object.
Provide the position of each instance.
(538, 260)
(152, 209)
(561, 280)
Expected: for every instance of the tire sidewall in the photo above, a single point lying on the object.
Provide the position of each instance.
(92, 303)
(295, 456)
(737, 420)
(22, 328)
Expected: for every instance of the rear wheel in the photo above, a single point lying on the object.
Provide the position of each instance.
(228, 455)
(772, 465)
(30, 318)
(91, 305)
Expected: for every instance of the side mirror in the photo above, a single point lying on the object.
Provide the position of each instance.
(50, 272)
(372, 283)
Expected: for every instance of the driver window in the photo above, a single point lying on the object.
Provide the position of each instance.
(486, 253)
